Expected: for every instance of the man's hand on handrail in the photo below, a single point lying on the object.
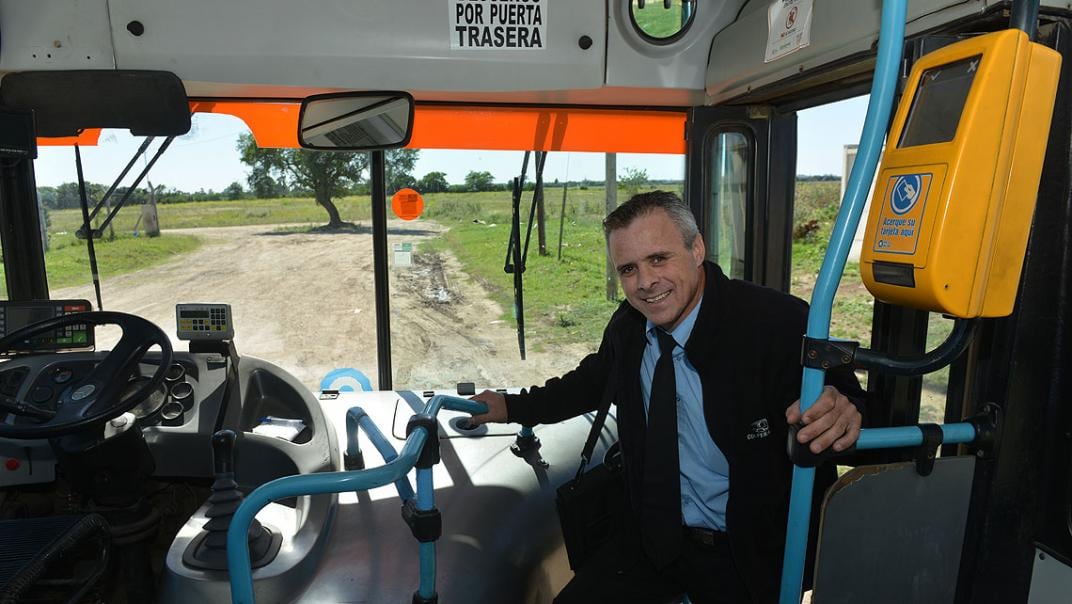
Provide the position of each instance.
(831, 420)
(496, 403)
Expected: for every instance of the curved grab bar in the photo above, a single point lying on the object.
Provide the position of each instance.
(241, 575)
(945, 353)
(356, 419)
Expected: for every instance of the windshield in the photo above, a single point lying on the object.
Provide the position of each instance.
(219, 220)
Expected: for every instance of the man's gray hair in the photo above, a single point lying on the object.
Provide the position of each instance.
(644, 204)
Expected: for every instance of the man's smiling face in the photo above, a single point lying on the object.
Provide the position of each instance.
(662, 277)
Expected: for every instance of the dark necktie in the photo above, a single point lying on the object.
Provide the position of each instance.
(661, 529)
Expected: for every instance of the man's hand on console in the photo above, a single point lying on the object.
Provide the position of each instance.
(832, 420)
(496, 407)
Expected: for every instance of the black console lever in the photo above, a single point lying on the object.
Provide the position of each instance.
(209, 549)
(223, 444)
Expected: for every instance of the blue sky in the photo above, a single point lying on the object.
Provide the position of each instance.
(205, 158)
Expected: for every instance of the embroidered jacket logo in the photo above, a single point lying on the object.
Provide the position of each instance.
(759, 429)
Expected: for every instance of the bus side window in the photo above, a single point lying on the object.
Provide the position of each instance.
(727, 207)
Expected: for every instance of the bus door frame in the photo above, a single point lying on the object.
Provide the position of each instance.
(769, 191)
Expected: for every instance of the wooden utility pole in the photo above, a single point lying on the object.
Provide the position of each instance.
(111, 225)
(611, 188)
(562, 214)
(540, 220)
(541, 233)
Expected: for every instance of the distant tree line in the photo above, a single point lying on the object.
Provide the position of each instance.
(66, 196)
(817, 177)
(275, 173)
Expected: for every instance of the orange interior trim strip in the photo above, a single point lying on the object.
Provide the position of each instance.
(548, 129)
(275, 124)
(88, 138)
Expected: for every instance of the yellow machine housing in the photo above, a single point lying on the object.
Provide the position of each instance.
(956, 190)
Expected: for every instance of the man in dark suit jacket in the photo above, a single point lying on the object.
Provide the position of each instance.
(736, 361)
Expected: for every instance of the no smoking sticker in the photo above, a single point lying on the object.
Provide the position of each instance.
(788, 27)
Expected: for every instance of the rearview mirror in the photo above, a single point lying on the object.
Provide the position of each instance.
(356, 121)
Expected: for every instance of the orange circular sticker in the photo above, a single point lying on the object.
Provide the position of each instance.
(407, 204)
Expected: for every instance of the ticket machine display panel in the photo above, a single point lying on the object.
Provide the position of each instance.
(956, 190)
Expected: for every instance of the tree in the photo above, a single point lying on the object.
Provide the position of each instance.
(479, 181)
(46, 196)
(398, 166)
(263, 185)
(234, 191)
(67, 195)
(325, 173)
(634, 180)
(433, 182)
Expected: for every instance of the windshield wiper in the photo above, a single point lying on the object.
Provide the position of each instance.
(84, 202)
(516, 256)
(97, 232)
(87, 231)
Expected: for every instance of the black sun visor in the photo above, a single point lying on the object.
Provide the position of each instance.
(148, 103)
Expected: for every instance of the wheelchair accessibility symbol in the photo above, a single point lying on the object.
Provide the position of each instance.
(905, 194)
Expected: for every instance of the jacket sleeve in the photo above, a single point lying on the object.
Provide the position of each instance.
(578, 391)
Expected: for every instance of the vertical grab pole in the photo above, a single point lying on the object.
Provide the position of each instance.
(425, 502)
(1024, 16)
(883, 87)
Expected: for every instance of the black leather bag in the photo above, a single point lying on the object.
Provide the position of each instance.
(590, 506)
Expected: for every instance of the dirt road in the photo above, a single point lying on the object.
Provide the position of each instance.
(304, 301)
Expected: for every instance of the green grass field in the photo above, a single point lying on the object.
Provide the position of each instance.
(192, 215)
(67, 261)
(657, 21)
(853, 305)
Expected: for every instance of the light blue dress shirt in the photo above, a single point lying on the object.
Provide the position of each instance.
(705, 480)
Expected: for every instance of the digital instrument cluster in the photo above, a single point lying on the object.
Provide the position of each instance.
(16, 315)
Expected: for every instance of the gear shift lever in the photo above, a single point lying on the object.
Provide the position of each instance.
(209, 550)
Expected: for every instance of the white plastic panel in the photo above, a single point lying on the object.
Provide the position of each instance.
(55, 34)
(258, 45)
(840, 28)
(1051, 580)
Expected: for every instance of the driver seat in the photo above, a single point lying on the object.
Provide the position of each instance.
(52, 548)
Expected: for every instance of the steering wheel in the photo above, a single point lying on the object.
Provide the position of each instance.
(95, 398)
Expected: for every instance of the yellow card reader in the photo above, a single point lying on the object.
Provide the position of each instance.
(956, 190)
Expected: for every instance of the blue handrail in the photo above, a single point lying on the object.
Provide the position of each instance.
(427, 550)
(912, 436)
(356, 418)
(883, 87)
(241, 575)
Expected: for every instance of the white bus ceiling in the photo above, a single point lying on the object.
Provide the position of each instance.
(407, 45)
(404, 45)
